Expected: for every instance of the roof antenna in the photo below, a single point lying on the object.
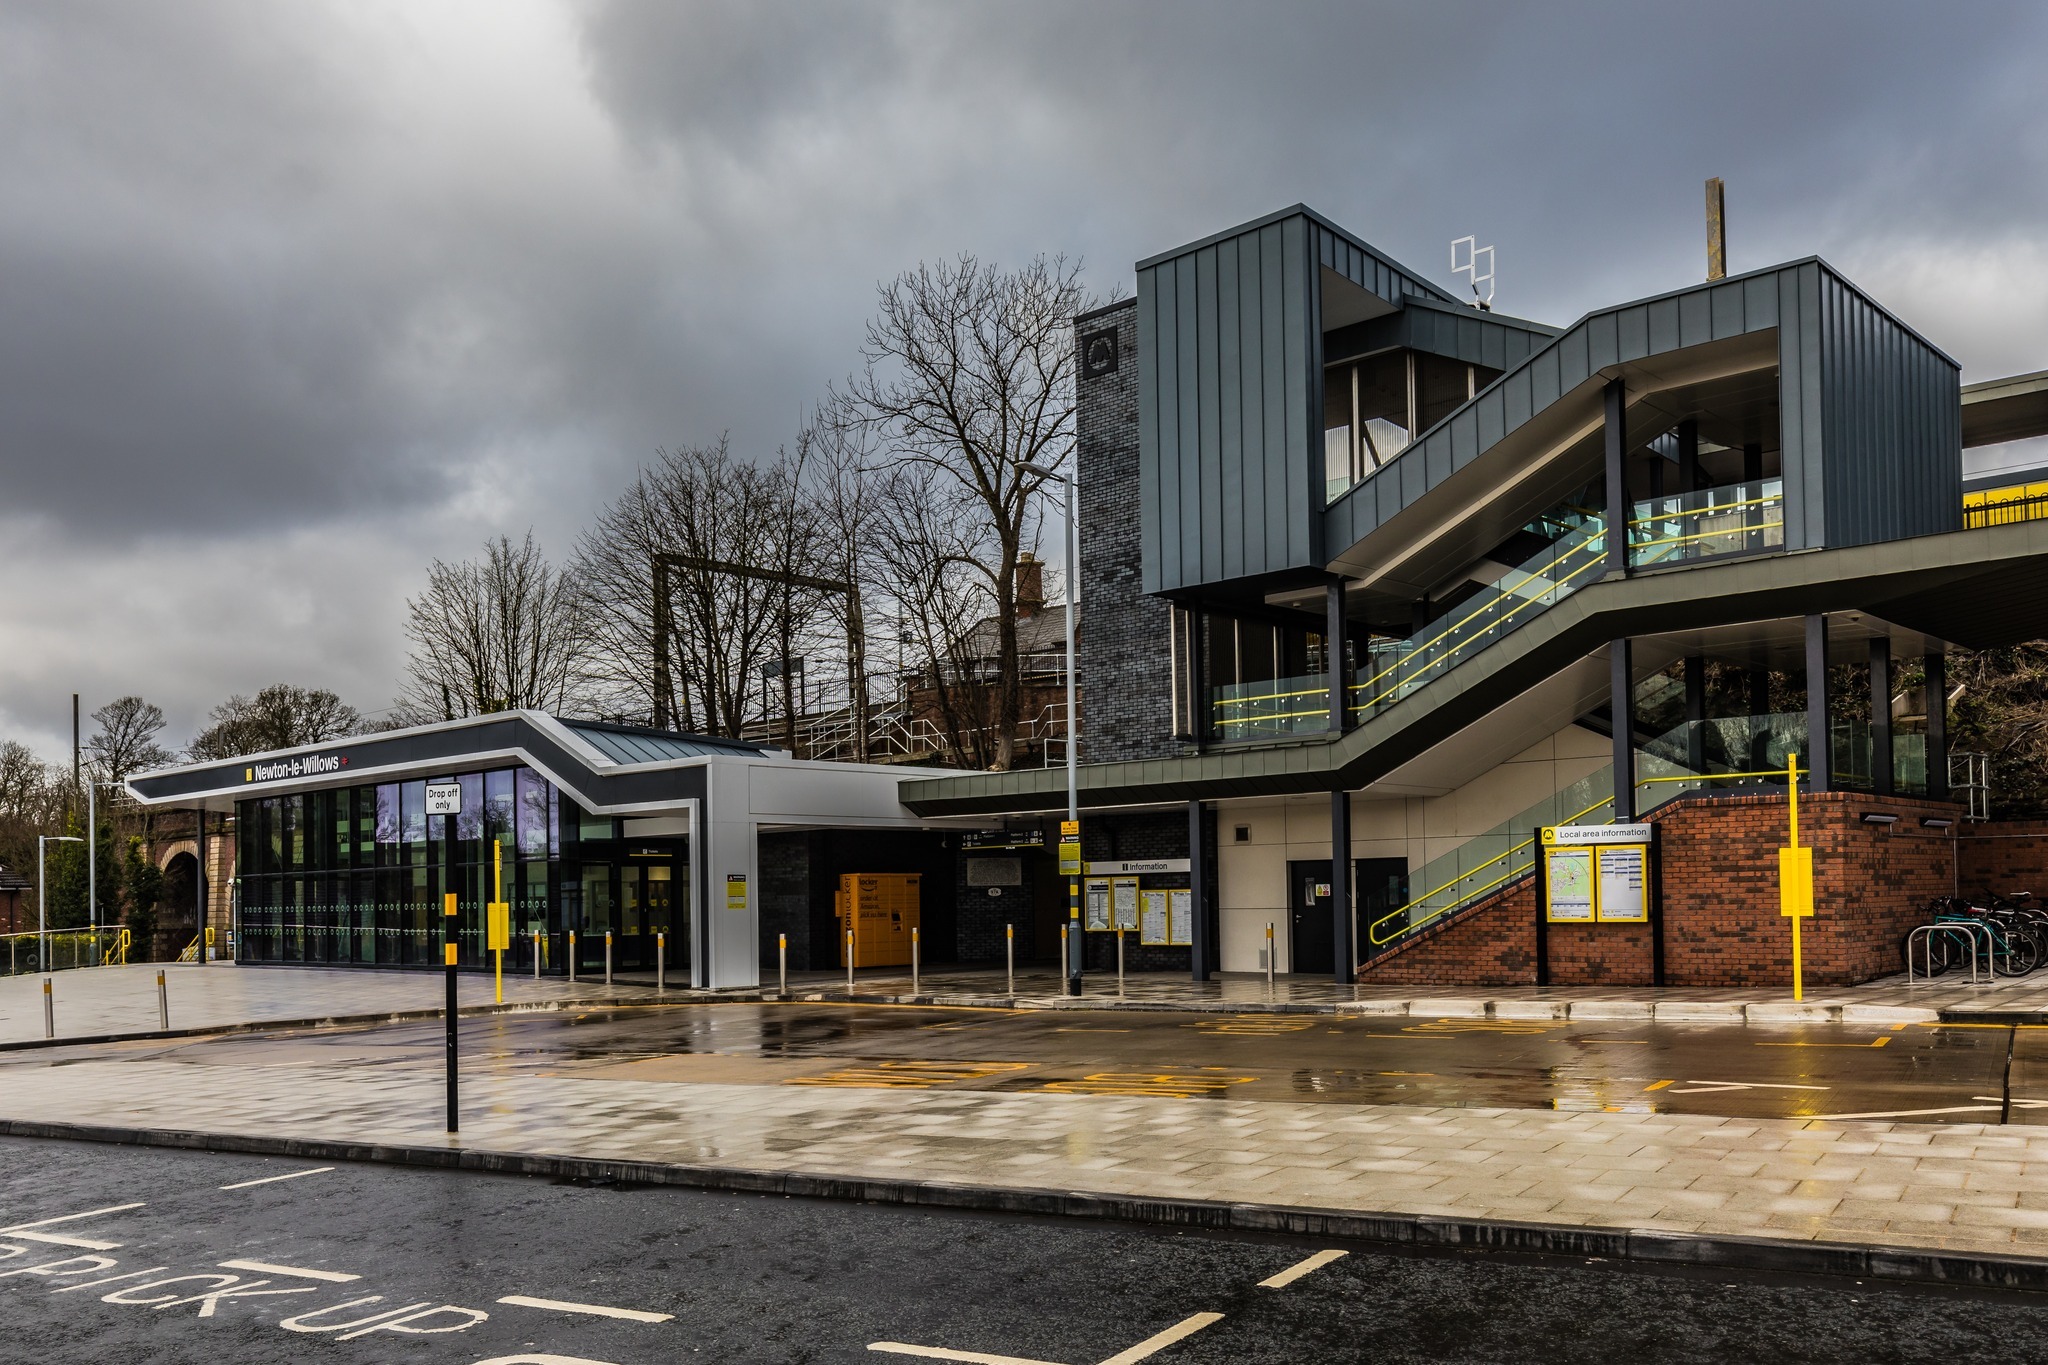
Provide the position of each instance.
(1476, 264)
(1717, 232)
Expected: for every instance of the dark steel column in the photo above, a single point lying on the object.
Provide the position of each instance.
(1198, 702)
(199, 885)
(1689, 480)
(1937, 726)
(1881, 777)
(1819, 755)
(1617, 477)
(1333, 651)
(1340, 886)
(1621, 705)
(1695, 712)
(1759, 705)
(1198, 896)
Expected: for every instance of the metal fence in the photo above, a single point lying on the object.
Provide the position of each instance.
(65, 949)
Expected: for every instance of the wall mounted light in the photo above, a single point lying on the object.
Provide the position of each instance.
(1936, 822)
(1879, 817)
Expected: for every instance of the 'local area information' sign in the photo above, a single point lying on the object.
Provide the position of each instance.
(1596, 874)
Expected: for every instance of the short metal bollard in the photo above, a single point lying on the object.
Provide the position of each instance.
(536, 955)
(163, 1003)
(572, 957)
(849, 964)
(1269, 957)
(913, 963)
(49, 1011)
(661, 962)
(782, 964)
(1119, 962)
(1066, 963)
(1010, 951)
(607, 957)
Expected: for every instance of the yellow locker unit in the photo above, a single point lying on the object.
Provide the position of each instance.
(881, 908)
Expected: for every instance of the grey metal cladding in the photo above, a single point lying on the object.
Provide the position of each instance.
(1789, 295)
(1229, 449)
(1890, 421)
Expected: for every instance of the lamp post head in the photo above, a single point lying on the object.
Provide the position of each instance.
(1042, 471)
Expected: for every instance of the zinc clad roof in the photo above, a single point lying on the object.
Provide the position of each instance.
(632, 744)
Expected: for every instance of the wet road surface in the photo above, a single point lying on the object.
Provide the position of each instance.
(192, 1258)
(1919, 1072)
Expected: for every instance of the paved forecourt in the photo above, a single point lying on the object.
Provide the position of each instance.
(1970, 1187)
(96, 1002)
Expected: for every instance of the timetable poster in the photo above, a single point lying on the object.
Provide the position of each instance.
(1125, 913)
(1182, 925)
(1154, 928)
(1622, 882)
(1095, 915)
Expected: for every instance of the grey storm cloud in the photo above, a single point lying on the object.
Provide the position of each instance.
(294, 298)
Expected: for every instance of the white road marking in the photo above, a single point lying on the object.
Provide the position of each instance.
(1301, 1268)
(1909, 1113)
(266, 1268)
(273, 1179)
(21, 1232)
(1144, 1350)
(596, 1310)
(1152, 1346)
(1711, 1087)
(941, 1353)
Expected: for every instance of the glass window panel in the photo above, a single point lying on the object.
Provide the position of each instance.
(597, 898)
(387, 822)
(413, 801)
(1383, 407)
(497, 808)
(554, 822)
(533, 813)
(590, 826)
(469, 825)
(273, 836)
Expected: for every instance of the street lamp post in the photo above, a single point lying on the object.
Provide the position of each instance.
(42, 896)
(92, 852)
(1074, 926)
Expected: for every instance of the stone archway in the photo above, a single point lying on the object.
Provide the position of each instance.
(178, 913)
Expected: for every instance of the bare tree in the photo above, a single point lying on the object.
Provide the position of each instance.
(281, 716)
(126, 740)
(705, 507)
(846, 485)
(492, 634)
(968, 370)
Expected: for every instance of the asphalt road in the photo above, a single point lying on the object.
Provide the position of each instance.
(380, 1264)
(1931, 1073)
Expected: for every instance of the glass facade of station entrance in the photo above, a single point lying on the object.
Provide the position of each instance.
(356, 876)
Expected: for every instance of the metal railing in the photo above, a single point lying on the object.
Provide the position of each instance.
(68, 949)
(1665, 531)
(1487, 862)
(1988, 508)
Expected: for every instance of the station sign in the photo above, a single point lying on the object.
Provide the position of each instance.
(1597, 834)
(1003, 838)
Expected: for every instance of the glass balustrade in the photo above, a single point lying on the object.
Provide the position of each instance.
(1665, 531)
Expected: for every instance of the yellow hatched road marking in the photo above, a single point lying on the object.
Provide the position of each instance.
(1301, 1268)
(909, 1075)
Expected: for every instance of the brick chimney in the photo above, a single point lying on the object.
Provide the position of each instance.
(1030, 586)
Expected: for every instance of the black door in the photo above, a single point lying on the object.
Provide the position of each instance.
(1382, 902)
(1311, 929)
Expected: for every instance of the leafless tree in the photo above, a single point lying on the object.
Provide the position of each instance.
(492, 634)
(126, 741)
(280, 716)
(709, 506)
(845, 482)
(968, 372)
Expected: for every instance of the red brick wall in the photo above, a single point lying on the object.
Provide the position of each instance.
(1719, 879)
(2011, 855)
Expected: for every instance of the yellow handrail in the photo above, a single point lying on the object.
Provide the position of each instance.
(1372, 930)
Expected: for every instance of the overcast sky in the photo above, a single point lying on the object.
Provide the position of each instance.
(295, 297)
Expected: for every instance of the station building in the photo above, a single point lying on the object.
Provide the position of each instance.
(1376, 586)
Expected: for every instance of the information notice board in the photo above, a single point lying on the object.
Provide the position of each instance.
(1095, 904)
(1124, 908)
(1597, 873)
(1181, 920)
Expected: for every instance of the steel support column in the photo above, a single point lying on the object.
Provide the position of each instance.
(1936, 666)
(1616, 444)
(1881, 776)
(1819, 756)
(1333, 650)
(1198, 895)
(1621, 705)
(1340, 887)
(1696, 712)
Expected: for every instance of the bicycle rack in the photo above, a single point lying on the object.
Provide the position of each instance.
(1926, 932)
